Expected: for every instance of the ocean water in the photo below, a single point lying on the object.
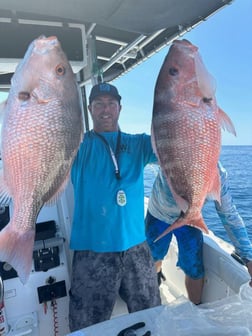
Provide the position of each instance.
(238, 162)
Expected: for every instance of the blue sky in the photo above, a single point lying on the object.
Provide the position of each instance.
(224, 41)
(225, 44)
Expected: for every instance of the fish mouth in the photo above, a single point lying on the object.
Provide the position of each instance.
(43, 44)
(185, 43)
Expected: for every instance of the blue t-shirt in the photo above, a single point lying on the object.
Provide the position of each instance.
(99, 223)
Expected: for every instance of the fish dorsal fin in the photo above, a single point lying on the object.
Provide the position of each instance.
(214, 192)
(226, 122)
(181, 202)
(153, 142)
(55, 197)
(2, 107)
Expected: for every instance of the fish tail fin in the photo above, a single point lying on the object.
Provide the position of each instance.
(181, 221)
(226, 122)
(16, 249)
(200, 224)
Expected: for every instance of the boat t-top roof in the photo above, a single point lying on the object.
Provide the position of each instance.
(103, 38)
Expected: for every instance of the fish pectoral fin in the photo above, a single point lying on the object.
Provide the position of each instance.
(181, 202)
(40, 100)
(16, 249)
(206, 82)
(226, 122)
(192, 104)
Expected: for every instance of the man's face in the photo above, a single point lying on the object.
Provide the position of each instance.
(105, 111)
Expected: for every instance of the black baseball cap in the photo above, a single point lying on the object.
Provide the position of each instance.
(104, 89)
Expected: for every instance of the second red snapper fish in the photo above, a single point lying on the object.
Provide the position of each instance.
(186, 132)
(41, 133)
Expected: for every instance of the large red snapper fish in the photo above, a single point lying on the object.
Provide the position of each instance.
(186, 132)
(41, 132)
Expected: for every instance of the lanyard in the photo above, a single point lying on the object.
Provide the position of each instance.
(114, 156)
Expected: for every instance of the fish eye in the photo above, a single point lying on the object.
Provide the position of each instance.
(207, 100)
(60, 69)
(24, 95)
(173, 71)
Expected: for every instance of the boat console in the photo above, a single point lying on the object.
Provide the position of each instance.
(40, 307)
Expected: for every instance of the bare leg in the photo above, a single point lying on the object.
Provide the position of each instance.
(160, 275)
(194, 289)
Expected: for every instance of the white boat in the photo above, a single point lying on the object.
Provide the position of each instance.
(101, 41)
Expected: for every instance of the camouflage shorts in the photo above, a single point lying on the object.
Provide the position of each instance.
(98, 278)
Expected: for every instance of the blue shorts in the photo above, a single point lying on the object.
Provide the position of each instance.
(190, 245)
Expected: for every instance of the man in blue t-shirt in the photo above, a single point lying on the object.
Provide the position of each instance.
(163, 211)
(111, 255)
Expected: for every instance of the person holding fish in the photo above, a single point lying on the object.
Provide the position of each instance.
(163, 210)
(186, 137)
(111, 255)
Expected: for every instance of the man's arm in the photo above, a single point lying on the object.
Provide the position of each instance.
(233, 222)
